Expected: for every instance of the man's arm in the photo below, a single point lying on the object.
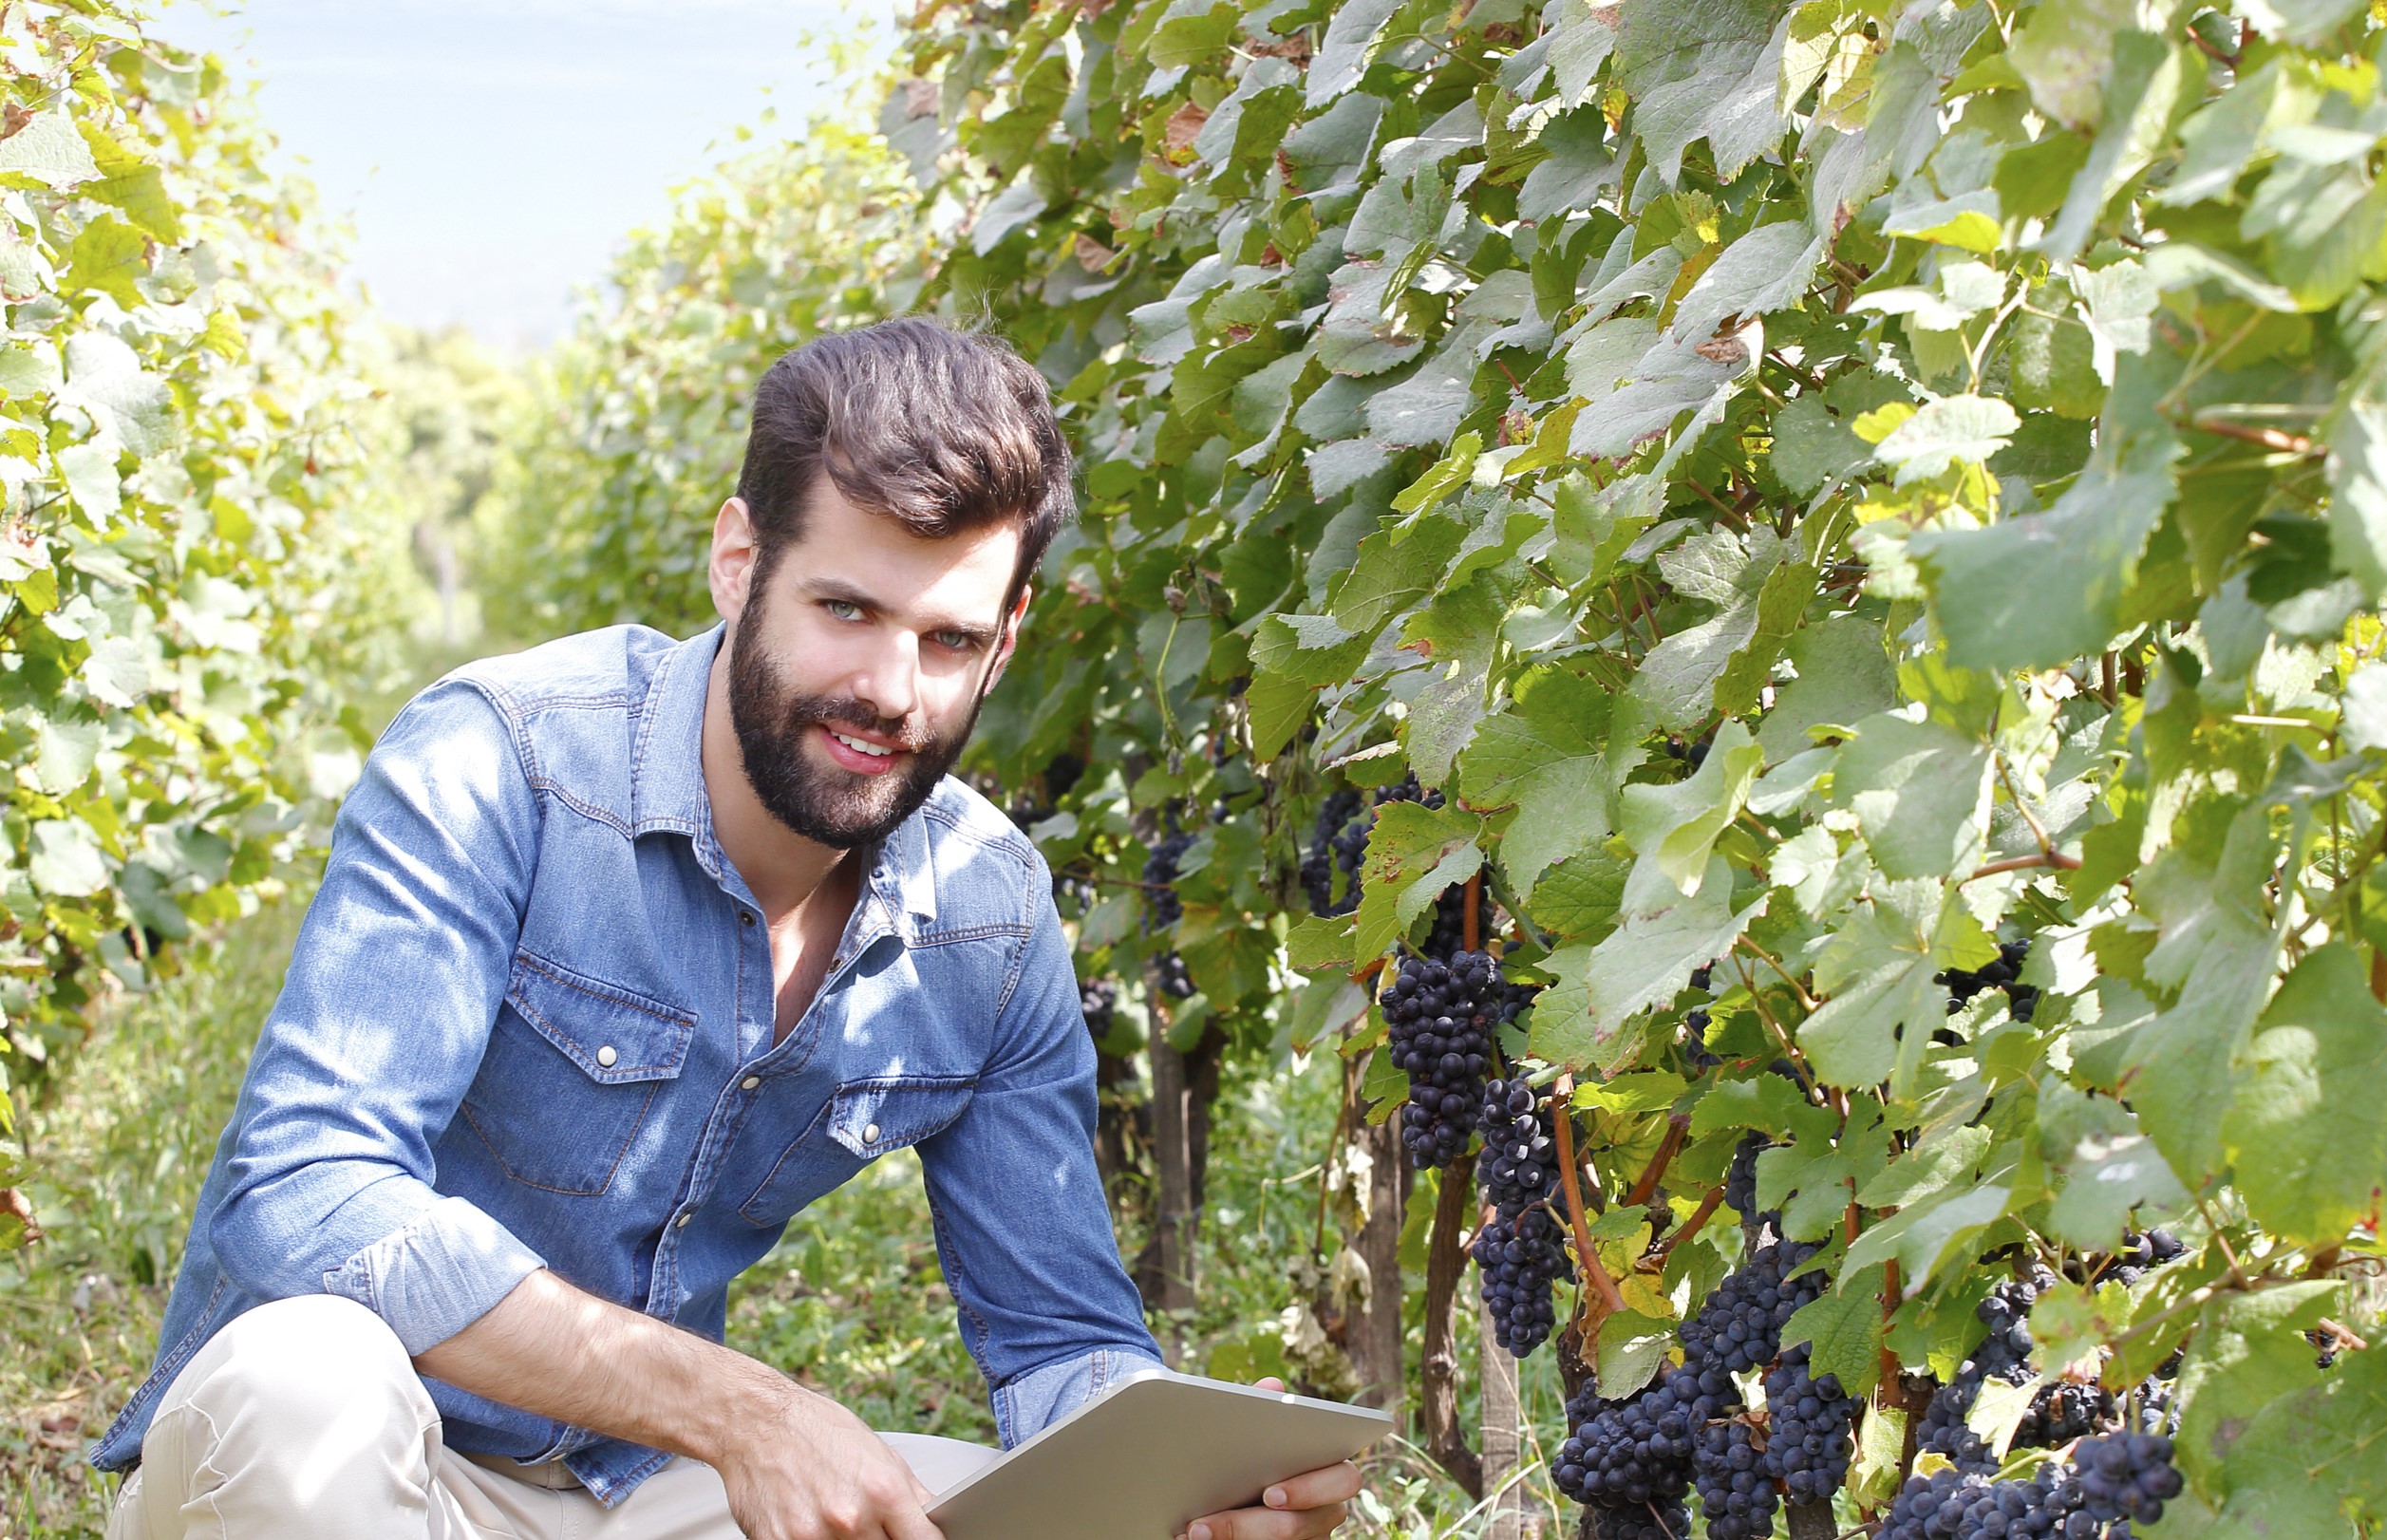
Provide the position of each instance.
(798, 1466)
(378, 1032)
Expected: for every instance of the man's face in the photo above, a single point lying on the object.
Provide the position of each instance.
(857, 664)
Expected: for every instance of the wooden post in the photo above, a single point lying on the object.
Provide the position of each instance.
(1497, 1373)
(1376, 1345)
(1172, 1132)
(1438, 1369)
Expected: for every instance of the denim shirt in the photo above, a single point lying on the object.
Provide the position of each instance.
(529, 1023)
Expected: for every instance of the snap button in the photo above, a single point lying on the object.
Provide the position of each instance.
(745, 916)
(682, 1223)
(750, 1083)
(606, 1056)
(870, 1135)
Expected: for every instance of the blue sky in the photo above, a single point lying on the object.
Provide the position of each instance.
(493, 152)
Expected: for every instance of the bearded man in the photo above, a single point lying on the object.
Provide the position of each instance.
(627, 951)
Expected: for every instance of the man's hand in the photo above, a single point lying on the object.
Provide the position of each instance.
(797, 1465)
(1300, 1508)
(817, 1472)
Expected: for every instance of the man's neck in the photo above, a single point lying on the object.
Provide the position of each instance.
(781, 866)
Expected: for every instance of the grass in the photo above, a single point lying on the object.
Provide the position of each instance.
(851, 1301)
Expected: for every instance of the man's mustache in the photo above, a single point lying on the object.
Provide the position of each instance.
(849, 712)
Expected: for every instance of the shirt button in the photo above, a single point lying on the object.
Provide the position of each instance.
(870, 1135)
(606, 1056)
(745, 916)
(682, 1223)
(750, 1083)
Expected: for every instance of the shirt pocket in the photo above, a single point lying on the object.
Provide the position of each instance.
(862, 1120)
(574, 1067)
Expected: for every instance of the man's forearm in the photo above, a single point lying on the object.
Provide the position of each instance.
(554, 1350)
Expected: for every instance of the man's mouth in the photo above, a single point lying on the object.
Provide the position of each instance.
(859, 755)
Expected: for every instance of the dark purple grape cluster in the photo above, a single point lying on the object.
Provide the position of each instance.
(2004, 1354)
(2021, 999)
(1739, 1327)
(1959, 1505)
(1098, 999)
(1520, 1163)
(2128, 1475)
(1641, 1521)
(1448, 936)
(1162, 908)
(1695, 1052)
(2061, 1411)
(1740, 1177)
(1736, 1496)
(2141, 1254)
(1176, 980)
(1440, 1016)
(1634, 1452)
(1521, 1257)
(1338, 814)
(1808, 1421)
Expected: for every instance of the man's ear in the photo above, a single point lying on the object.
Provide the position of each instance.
(730, 569)
(1010, 641)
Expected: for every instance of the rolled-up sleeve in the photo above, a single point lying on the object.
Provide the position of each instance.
(1022, 1227)
(379, 1031)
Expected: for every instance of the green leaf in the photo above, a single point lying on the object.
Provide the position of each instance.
(2309, 1142)
(1351, 41)
(1812, 447)
(66, 859)
(1844, 676)
(1765, 271)
(2248, 1349)
(1632, 1348)
(1878, 969)
(1674, 827)
(1392, 573)
(48, 149)
(1581, 896)
(1945, 431)
(1558, 753)
(1581, 1020)
(110, 256)
(1307, 649)
(1920, 792)
(1413, 854)
(1845, 1325)
(2032, 592)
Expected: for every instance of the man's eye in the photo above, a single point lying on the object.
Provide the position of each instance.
(844, 609)
(957, 640)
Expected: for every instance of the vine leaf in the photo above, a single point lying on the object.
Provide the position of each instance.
(1920, 792)
(2311, 1145)
(1581, 1020)
(1557, 755)
(1414, 852)
(1674, 826)
(1846, 1327)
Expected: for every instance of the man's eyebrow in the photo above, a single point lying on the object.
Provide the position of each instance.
(835, 588)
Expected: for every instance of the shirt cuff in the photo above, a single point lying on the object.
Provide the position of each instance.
(1040, 1397)
(437, 1275)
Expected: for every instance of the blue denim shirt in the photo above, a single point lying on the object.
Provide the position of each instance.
(529, 1024)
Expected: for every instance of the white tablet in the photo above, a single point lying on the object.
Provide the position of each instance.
(1149, 1456)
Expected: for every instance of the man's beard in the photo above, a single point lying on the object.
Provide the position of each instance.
(830, 805)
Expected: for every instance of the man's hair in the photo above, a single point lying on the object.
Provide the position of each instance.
(940, 429)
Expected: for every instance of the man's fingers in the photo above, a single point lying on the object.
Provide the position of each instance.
(1266, 1524)
(1336, 1483)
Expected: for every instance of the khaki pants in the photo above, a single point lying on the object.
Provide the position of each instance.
(304, 1419)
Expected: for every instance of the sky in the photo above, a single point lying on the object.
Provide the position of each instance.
(492, 154)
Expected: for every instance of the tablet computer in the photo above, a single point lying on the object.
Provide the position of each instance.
(1147, 1458)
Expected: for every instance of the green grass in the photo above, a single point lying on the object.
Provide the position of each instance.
(851, 1301)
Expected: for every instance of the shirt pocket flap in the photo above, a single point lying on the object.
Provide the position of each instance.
(870, 1118)
(615, 1035)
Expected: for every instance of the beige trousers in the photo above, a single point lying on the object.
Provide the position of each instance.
(304, 1419)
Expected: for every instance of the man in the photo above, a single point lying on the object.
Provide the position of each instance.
(627, 951)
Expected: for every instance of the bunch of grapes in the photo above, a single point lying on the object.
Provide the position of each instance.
(1736, 1494)
(2062, 1411)
(1448, 936)
(2021, 999)
(1098, 999)
(2128, 1475)
(1440, 1016)
(1959, 1505)
(1739, 1327)
(1740, 1179)
(1809, 1417)
(1628, 1454)
(1335, 815)
(1521, 1257)
(1163, 909)
(1519, 1164)
(2140, 1255)
(1695, 1051)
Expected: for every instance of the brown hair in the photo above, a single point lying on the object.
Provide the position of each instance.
(942, 430)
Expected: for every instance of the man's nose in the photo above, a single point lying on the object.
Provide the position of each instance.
(891, 686)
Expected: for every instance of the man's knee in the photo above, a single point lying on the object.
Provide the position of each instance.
(296, 1371)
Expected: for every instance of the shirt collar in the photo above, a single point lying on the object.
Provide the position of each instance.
(668, 782)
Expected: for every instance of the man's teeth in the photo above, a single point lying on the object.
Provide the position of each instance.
(859, 746)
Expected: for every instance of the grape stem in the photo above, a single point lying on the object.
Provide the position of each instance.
(2018, 863)
(1563, 1124)
(1683, 1231)
(1676, 1128)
